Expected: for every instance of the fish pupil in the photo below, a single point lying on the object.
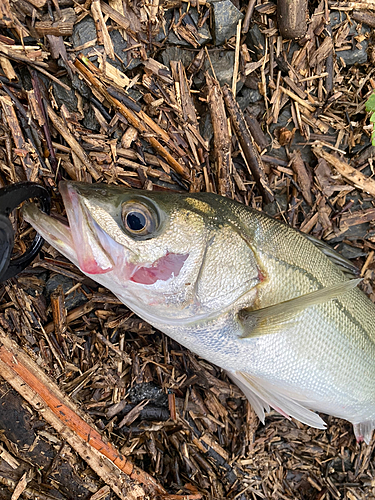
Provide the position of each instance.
(135, 221)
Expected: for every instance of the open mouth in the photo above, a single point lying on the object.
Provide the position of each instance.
(81, 241)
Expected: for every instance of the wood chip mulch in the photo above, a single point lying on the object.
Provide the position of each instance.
(111, 408)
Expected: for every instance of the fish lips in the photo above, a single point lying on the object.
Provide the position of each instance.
(83, 242)
(87, 236)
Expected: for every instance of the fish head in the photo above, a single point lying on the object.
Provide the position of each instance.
(169, 257)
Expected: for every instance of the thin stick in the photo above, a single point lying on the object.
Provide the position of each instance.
(244, 137)
(236, 58)
(248, 16)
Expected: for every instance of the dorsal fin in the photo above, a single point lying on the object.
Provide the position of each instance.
(347, 267)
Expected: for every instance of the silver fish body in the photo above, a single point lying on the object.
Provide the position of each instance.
(269, 305)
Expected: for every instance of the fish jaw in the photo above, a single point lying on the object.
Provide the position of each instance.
(55, 232)
(92, 257)
(101, 254)
(82, 241)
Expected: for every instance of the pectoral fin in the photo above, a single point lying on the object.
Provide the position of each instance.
(272, 318)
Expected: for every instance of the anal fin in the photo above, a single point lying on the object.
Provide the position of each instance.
(256, 402)
(262, 394)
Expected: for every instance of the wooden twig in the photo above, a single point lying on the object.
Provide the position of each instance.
(59, 315)
(46, 130)
(22, 111)
(6, 16)
(329, 63)
(248, 16)
(18, 138)
(17, 53)
(322, 52)
(60, 27)
(222, 138)
(352, 175)
(38, 3)
(364, 17)
(188, 112)
(298, 99)
(101, 29)
(253, 159)
(292, 18)
(115, 16)
(304, 180)
(256, 131)
(51, 77)
(73, 315)
(369, 5)
(236, 58)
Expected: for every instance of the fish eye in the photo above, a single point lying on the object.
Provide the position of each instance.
(138, 219)
(135, 221)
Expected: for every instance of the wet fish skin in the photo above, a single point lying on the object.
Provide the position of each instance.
(205, 274)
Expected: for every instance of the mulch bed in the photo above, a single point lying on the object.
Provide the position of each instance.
(198, 96)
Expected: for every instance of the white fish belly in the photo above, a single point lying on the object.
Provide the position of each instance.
(311, 360)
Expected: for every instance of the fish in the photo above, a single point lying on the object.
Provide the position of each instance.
(279, 311)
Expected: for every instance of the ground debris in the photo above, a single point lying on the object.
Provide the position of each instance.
(187, 97)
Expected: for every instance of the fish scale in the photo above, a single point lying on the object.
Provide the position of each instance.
(274, 308)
